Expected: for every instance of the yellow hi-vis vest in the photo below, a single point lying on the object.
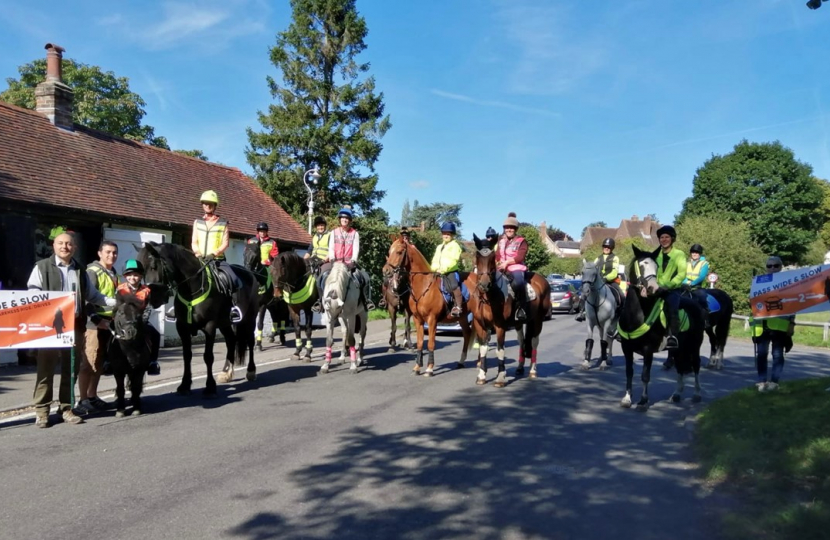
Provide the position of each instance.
(209, 238)
(779, 324)
(106, 282)
(320, 245)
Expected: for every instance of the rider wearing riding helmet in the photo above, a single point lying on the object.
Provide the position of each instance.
(344, 246)
(268, 249)
(406, 240)
(318, 251)
(445, 261)
(133, 275)
(671, 271)
(510, 259)
(492, 237)
(608, 264)
(697, 269)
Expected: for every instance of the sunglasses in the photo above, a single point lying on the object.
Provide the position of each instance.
(773, 266)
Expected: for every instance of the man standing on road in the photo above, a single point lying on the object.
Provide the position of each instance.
(62, 272)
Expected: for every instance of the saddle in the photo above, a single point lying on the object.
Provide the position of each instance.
(507, 288)
(221, 279)
(465, 292)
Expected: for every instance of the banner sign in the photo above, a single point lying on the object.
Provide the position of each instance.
(37, 319)
(803, 290)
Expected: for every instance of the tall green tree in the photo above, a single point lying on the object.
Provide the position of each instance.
(763, 185)
(101, 101)
(824, 211)
(326, 112)
(433, 215)
(406, 214)
(731, 252)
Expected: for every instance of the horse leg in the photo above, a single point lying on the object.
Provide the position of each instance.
(678, 389)
(589, 348)
(187, 356)
(350, 335)
(360, 335)
(230, 342)
(481, 335)
(534, 344)
(260, 320)
(697, 397)
(467, 333)
(419, 354)
(245, 343)
(629, 376)
(120, 406)
(344, 340)
(308, 329)
(520, 336)
(648, 358)
(210, 338)
(298, 341)
(329, 341)
(393, 316)
(500, 332)
(603, 355)
(136, 385)
(407, 330)
(433, 324)
(713, 349)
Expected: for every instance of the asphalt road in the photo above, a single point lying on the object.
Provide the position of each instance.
(382, 454)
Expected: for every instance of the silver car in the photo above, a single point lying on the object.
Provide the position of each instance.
(563, 296)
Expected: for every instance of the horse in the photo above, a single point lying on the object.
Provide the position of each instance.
(426, 301)
(200, 305)
(293, 280)
(341, 300)
(717, 327)
(131, 357)
(267, 301)
(642, 331)
(396, 293)
(601, 312)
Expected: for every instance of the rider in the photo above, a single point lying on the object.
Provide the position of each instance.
(510, 258)
(318, 251)
(133, 274)
(697, 269)
(344, 246)
(268, 249)
(492, 237)
(211, 237)
(445, 262)
(671, 271)
(406, 240)
(608, 264)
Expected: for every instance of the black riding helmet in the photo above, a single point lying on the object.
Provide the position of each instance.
(320, 220)
(696, 248)
(667, 229)
(609, 243)
(262, 226)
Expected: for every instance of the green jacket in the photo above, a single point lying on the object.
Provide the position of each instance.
(446, 258)
(674, 274)
(778, 324)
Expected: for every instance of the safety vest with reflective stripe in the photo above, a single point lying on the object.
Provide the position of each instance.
(267, 249)
(320, 245)
(209, 237)
(344, 244)
(143, 293)
(106, 282)
(696, 271)
(509, 249)
(608, 267)
(779, 324)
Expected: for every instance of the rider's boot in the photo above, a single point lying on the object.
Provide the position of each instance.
(317, 307)
(458, 300)
(674, 331)
(367, 295)
(581, 315)
(521, 311)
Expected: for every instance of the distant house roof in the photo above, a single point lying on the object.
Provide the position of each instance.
(629, 228)
(567, 244)
(92, 172)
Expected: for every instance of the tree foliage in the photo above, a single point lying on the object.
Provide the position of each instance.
(101, 101)
(557, 234)
(326, 112)
(593, 224)
(198, 154)
(563, 265)
(763, 185)
(824, 212)
(623, 249)
(732, 254)
(538, 256)
(435, 214)
(406, 215)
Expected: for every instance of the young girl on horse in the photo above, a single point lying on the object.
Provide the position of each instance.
(133, 275)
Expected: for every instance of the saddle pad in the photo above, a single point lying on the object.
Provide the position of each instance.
(465, 293)
(531, 293)
(714, 305)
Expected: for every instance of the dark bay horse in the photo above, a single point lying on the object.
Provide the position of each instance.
(643, 332)
(718, 327)
(426, 302)
(492, 310)
(200, 305)
(294, 282)
(269, 303)
(396, 293)
(130, 352)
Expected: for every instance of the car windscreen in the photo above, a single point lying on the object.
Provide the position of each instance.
(559, 288)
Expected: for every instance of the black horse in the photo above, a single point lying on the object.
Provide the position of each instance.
(643, 332)
(200, 305)
(131, 356)
(294, 282)
(718, 327)
(275, 306)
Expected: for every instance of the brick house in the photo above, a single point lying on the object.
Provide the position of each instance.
(54, 173)
(645, 228)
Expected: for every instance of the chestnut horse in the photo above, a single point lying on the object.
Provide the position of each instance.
(426, 302)
(492, 310)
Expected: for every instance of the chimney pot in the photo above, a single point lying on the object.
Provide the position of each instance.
(53, 98)
(54, 56)
(634, 217)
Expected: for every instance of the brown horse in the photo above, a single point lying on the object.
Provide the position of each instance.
(396, 293)
(425, 301)
(492, 309)
(294, 282)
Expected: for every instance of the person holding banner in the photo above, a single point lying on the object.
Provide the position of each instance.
(62, 272)
(771, 333)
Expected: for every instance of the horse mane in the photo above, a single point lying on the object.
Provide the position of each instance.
(337, 273)
(416, 258)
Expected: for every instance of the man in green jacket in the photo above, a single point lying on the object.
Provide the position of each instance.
(671, 271)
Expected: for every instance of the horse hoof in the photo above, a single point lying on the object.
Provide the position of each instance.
(295, 357)
(428, 374)
(609, 363)
(499, 384)
(481, 382)
(585, 366)
(323, 369)
(251, 375)
(259, 346)
(183, 391)
(223, 378)
(719, 367)
(353, 371)
(675, 398)
(519, 371)
(136, 412)
(625, 403)
(270, 339)
(697, 398)
(307, 358)
(120, 413)
(533, 375)
(391, 350)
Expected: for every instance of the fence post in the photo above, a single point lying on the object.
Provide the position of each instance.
(826, 332)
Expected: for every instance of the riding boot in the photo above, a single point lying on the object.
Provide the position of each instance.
(458, 301)
(321, 283)
(521, 305)
(367, 295)
(674, 330)
(581, 315)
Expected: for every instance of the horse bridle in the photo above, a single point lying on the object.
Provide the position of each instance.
(168, 277)
(398, 273)
(602, 286)
(642, 280)
(401, 271)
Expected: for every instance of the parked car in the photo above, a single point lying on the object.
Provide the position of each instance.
(555, 277)
(449, 327)
(577, 283)
(563, 296)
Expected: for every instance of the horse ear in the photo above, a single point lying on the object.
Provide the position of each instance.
(476, 241)
(151, 248)
(393, 237)
(655, 253)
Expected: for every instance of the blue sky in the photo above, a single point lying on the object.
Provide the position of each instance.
(563, 111)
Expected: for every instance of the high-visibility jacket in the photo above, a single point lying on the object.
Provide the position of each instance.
(209, 237)
(447, 257)
(345, 245)
(608, 267)
(320, 245)
(675, 272)
(142, 293)
(511, 249)
(696, 272)
(106, 281)
(267, 249)
(779, 324)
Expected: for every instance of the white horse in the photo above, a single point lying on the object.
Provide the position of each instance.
(341, 300)
(601, 312)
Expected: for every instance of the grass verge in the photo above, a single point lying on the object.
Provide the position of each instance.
(772, 451)
(804, 335)
(377, 314)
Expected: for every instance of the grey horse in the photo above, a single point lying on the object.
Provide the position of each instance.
(601, 312)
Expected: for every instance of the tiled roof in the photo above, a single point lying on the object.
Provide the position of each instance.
(567, 244)
(91, 171)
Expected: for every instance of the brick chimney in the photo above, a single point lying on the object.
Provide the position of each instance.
(53, 97)
(634, 217)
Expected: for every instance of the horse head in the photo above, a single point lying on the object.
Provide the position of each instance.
(286, 271)
(252, 258)
(155, 271)
(590, 277)
(127, 317)
(397, 264)
(485, 265)
(644, 270)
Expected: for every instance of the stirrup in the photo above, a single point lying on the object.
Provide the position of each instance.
(671, 342)
(455, 311)
(154, 368)
(317, 307)
(520, 314)
(580, 316)
(382, 303)
(236, 315)
(369, 305)
(170, 315)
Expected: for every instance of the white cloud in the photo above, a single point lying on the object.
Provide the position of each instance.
(491, 103)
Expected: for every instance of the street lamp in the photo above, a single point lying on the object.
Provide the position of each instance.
(314, 174)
